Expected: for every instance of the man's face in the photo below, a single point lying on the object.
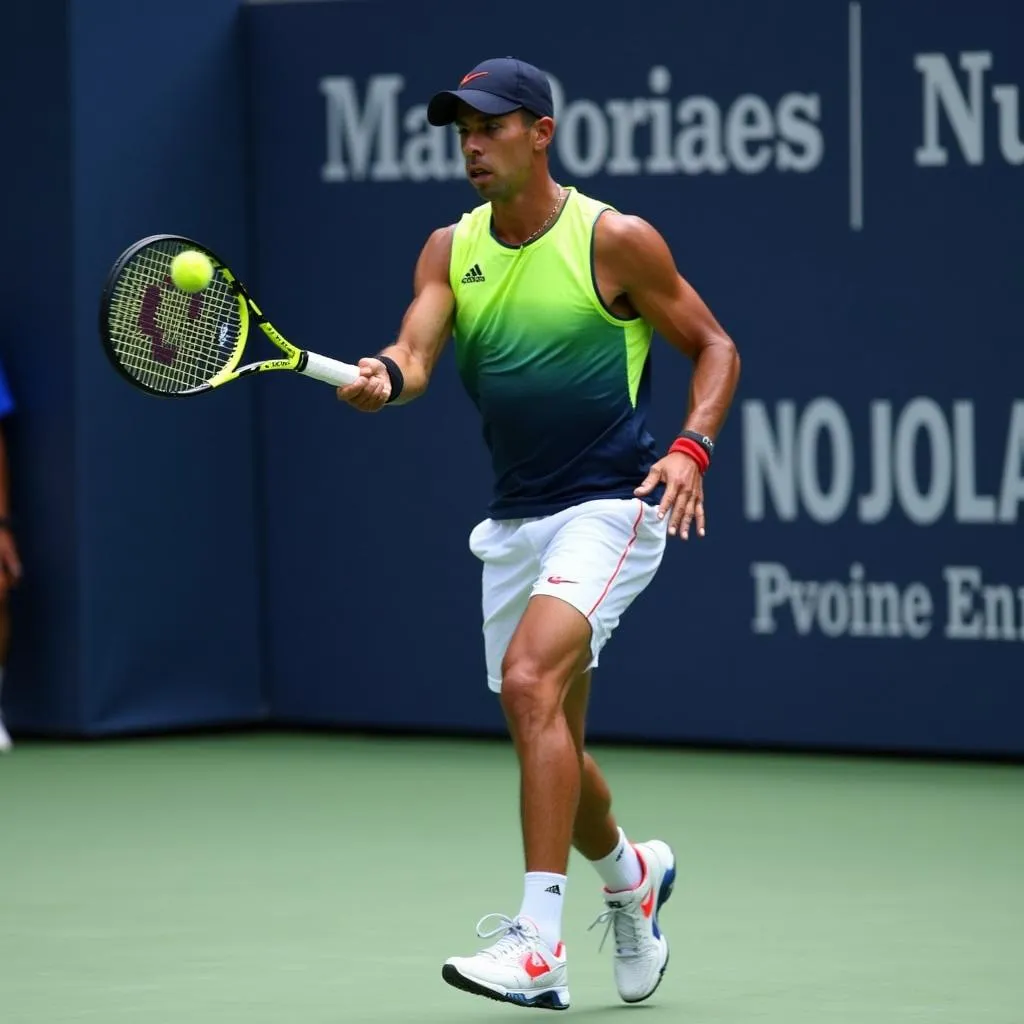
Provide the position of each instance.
(498, 150)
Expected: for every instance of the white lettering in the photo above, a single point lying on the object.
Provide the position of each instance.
(833, 609)
(970, 507)
(803, 600)
(964, 110)
(836, 608)
(999, 612)
(1011, 491)
(962, 582)
(923, 506)
(885, 604)
(770, 591)
(768, 460)
(883, 609)
(360, 134)
(925, 465)
(1007, 99)
(982, 611)
(824, 415)
(874, 507)
(749, 121)
(917, 611)
(369, 137)
(802, 144)
(582, 119)
(964, 113)
(699, 145)
(627, 116)
(661, 160)
(858, 608)
(425, 153)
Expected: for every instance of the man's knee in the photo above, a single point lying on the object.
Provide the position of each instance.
(530, 696)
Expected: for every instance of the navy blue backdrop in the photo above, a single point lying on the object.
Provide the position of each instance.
(134, 612)
(841, 181)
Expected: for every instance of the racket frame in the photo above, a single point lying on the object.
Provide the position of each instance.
(298, 360)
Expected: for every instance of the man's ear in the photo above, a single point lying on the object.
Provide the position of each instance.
(544, 131)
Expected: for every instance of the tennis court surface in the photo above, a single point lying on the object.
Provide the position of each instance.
(312, 879)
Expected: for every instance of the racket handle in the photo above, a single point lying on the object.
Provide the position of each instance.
(330, 371)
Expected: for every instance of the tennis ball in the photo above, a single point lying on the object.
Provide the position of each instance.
(191, 271)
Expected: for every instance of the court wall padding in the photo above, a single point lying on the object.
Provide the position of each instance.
(842, 183)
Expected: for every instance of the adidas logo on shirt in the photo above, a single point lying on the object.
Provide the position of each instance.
(473, 275)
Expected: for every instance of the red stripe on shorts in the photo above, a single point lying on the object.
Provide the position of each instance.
(622, 558)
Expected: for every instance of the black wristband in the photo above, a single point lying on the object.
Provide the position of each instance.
(702, 439)
(397, 380)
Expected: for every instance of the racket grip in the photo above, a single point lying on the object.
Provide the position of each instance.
(330, 371)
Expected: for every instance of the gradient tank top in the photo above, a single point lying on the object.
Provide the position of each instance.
(562, 384)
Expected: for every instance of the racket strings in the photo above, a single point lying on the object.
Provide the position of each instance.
(168, 340)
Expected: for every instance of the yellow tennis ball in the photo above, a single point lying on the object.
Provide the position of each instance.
(191, 271)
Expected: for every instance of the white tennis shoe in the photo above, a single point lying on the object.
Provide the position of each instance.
(519, 968)
(641, 951)
(5, 739)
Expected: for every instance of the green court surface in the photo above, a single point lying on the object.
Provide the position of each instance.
(283, 879)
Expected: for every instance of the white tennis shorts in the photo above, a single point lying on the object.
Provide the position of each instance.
(597, 556)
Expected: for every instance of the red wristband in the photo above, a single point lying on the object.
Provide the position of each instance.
(688, 446)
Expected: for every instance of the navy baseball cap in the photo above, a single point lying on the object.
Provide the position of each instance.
(497, 86)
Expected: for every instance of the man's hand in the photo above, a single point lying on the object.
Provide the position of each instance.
(371, 390)
(684, 492)
(10, 563)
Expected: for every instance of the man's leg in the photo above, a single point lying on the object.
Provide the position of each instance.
(594, 560)
(542, 661)
(638, 879)
(596, 834)
(550, 645)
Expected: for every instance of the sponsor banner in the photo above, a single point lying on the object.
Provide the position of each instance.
(842, 183)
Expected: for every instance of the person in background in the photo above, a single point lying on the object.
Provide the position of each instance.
(10, 563)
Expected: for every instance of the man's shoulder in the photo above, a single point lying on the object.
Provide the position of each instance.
(470, 228)
(615, 228)
(474, 216)
(591, 204)
(439, 239)
(443, 235)
(624, 243)
(607, 217)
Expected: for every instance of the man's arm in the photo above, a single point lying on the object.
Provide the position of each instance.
(640, 264)
(425, 328)
(635, 262)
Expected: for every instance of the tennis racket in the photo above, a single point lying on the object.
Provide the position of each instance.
(173, 343)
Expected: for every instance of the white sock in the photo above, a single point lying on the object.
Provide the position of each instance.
(543, 896)
(621, 869)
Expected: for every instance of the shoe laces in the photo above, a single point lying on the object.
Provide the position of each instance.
(512, 931)
(626, 924)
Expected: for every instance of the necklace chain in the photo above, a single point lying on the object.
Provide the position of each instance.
(543, 227)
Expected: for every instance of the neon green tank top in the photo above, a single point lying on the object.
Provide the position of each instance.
(561, 383)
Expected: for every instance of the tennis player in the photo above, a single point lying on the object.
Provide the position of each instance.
(552, 298)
